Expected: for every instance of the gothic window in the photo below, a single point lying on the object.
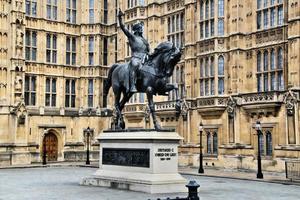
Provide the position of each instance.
(221, 75)
(90, 93)
(52, 9)
(177, 22)
(71, 11)
(280, 15)
(182, 21)
(105, 51)
(221, 8)
(258, 58)
(272, 59)
(201, 10)
(176, 29)
(105, 12)
(201, 30)
(70, 51)
(272, 17)
(50, 99)
(70, 93)
(206, 10)
(30, 45)
(280, 58)
(266, 19)
(270, 78)
(30, 90)
(212, 27)
(31, 6)
(212, 8)
(212, 142)
(91, 11)
(258, 20)
(268, 14)
(215, 143)
(206, 29)
(266, 61)
(208, 143)
(91, 50)
(212, 74)
(51, 48)
(261, 144)
(221, 27)
(269, 146)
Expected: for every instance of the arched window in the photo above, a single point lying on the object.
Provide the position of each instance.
(221, 75)
(212, 8)
(206, 10)
(266, 61)
(272, 59)
(208, 143)
(258, 61)
(206, 67)
(221, 8)
(280, 58)
(182, 21)
(269, 148)
(212, 66)
(261, 144)
(201, 10)
(201, 68)
(221, 65)
(212, 74)
(215, 143)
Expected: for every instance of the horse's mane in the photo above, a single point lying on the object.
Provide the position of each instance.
(160, 48)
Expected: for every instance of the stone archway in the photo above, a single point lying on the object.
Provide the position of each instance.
(50, 143)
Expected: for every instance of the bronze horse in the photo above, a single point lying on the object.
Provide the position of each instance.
(152, 79)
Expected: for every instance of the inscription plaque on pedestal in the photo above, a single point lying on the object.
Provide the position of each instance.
(126, 157)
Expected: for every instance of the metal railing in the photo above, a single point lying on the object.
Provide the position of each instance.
(292, 170)
(192, 192)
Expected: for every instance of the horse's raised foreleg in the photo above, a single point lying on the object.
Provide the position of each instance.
(150, 93)
(170, 87)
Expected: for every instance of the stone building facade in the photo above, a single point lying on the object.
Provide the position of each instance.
(240, 64)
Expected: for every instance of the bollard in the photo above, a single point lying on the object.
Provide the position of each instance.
(193, 190)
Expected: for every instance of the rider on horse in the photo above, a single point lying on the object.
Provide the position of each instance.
(139, 48)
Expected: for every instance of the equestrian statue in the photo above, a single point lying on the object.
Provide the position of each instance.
(144, 73)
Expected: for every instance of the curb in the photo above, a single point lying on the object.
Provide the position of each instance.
(49, 166)
(287, 182)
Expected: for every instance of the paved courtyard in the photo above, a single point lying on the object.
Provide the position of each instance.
(62, 184)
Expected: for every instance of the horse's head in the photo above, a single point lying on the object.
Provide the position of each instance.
(169, 56)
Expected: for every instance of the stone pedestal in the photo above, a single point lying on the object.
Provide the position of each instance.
(145, 161)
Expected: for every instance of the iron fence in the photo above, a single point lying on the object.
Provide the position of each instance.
(192, 192)
(292, 170)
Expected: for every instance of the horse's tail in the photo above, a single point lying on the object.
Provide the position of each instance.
(107, 84)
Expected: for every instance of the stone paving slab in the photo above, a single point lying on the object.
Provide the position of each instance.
(62, 183)
(272, 177)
